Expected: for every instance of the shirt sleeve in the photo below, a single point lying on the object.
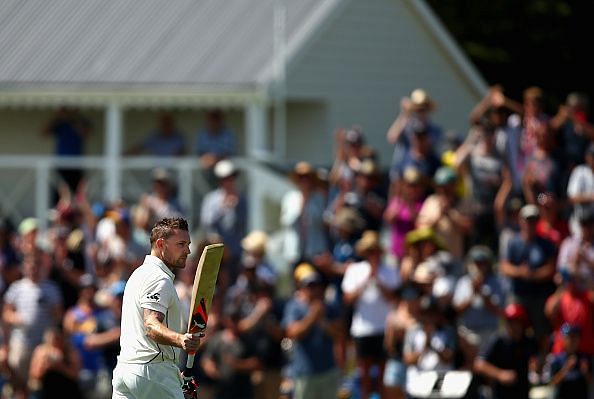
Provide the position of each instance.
(350, 282)
(575, 186)
(290, 314)
(462, 292)
(157, 296)
(10, 295)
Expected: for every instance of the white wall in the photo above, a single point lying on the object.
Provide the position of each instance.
(369, 55)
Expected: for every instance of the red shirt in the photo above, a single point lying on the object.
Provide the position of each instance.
(576, 309)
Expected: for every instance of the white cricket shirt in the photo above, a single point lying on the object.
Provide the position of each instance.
(149, 287)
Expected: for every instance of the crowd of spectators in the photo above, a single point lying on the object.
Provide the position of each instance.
(471, 252)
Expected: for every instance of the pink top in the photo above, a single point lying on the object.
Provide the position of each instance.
(403, 223)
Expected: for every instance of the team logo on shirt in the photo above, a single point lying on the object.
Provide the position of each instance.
(155, 297)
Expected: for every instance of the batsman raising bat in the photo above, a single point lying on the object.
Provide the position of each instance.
(152, 321)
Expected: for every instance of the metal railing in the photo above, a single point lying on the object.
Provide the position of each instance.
(27, 183)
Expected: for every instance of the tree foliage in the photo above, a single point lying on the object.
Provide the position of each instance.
(524, 43)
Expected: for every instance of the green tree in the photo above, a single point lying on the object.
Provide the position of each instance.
(521, 43)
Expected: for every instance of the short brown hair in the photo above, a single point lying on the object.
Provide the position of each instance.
(164, 228)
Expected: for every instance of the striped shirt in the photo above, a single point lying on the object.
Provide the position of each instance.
(34, 302)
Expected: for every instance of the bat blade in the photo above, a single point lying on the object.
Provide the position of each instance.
(203, 290)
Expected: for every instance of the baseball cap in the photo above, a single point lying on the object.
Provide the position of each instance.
(161, 174)
(480, 253)
(305, 274)
(224, 169)
(28, 225)
(529, 211)
(354, 137)
(445, 175)
(515, 311)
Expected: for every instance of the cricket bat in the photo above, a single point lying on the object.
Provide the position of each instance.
(202, 291)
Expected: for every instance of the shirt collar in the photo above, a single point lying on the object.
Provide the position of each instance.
(153, 260)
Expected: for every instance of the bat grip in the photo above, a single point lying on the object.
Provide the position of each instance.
(190, 358)
(190, 361)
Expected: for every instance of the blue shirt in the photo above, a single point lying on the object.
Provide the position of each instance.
(536, 253)
(69, 140)
(221, 144)
(160, 145)
(313, 353)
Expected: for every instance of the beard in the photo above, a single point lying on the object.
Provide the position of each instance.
(174, 263)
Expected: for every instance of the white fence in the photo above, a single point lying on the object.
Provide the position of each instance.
(27, 183)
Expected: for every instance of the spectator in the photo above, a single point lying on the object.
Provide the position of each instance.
(346, 231)
(107, 335)
(403, 209)
(490, 178)
(260, 314)
(576, 255)
(529, 263)
(402, 317)
(367, 195)
(80, 321)
(164, 141)
(423, 245)
(510, 357)
(215, 142)
(417, 107)
(571, 369)
(312, 325)
(429, 345)
(350, 152)
(54, 367)
(302, 215)
(447, 214)
(551, 225)
(496, 108)
(31, 305)
(580, 188)
(573, 128)
(369, 286)
(420, 154)
(161, 202)
(478, 299)
(230, 360)
(572, 303)
(70, 130)
(541, 172)
(224, 214)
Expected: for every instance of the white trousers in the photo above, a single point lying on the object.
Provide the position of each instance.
(147, 381)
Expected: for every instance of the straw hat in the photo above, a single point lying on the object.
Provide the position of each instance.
(367, 167)
(419, 99)
(255, 242)
(423, 234)
(368, 242)
(303, 169)
(305, 274)
(349, 220)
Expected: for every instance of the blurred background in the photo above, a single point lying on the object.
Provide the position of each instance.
(294, 131)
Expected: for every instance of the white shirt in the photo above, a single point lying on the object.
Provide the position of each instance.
(371, 308)
(581, 182)
(149, 287)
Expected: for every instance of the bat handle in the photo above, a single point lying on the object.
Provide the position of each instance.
(190, 361)
(191, 355)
